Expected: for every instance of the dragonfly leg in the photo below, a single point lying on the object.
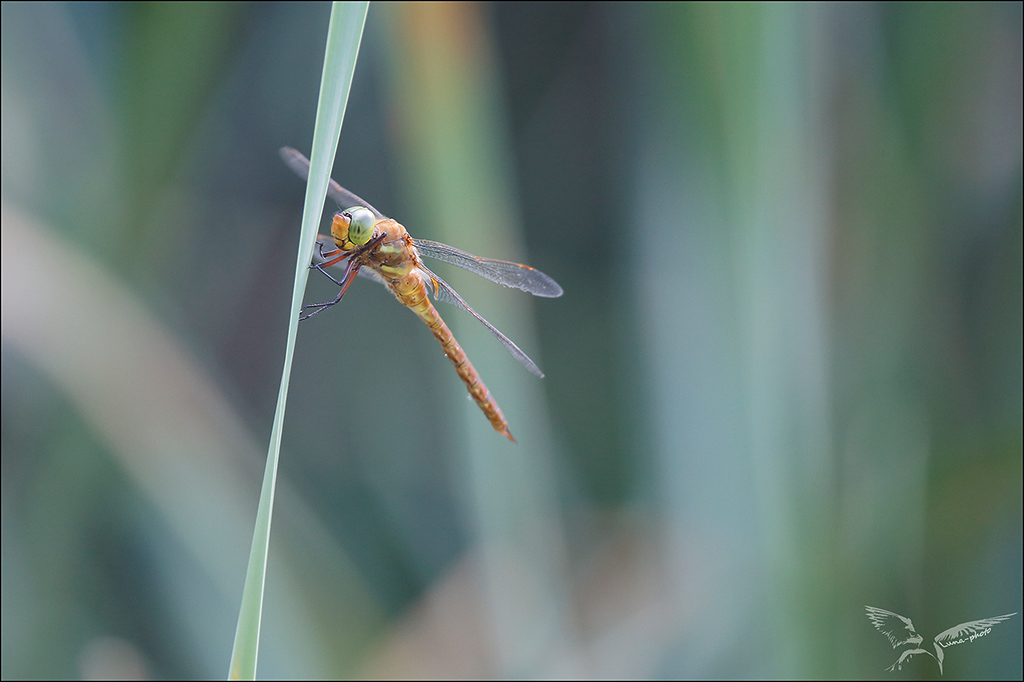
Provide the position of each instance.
(318, 307)
(320, 267)
(320, 250)
(330, 258)
(350, 274)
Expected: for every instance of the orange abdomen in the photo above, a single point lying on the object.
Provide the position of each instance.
(412, 292)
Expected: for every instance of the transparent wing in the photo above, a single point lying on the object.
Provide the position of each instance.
(977, 628)
(443, 292)
(502, 272)
(341, 196)
(894, 626)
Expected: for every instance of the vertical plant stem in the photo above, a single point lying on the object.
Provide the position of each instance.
(343, 38)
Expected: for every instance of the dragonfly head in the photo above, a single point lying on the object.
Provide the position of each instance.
(354, 224)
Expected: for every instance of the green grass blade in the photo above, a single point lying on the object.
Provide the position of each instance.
(343, 38)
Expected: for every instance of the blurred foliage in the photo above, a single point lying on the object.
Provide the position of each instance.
(785, 380)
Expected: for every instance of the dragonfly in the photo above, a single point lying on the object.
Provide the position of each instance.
(380, 248)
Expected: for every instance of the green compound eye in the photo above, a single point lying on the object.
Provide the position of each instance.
(360, 225)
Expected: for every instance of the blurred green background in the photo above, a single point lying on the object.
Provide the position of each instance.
(785, 379)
